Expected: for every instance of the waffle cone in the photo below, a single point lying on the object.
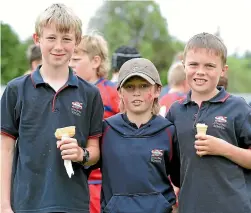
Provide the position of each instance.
(201, 128)
(65, 132)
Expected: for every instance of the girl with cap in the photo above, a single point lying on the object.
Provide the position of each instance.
(139, 149)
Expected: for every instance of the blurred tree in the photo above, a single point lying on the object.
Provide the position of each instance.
(239, 74)
(138, 24)
(13, 54)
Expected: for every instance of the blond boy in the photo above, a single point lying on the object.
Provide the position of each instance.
(32, 108)
(178, 86)
(91, 62)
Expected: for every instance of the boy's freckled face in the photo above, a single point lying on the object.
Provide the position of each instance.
(81, 64)
(203, 69)
(57, 48)
(138, 95)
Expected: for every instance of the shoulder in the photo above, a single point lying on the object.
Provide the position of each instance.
(113, 118)
(161, 121)
(167, 125)
(17, 83)
(235, 99)
(178, 104)
(110, 86)
(109, 83)
(87, 87)
(238, 103)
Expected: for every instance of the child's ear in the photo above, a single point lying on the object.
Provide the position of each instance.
(157, 91)
(224, 71)
(36, 39)
(96, 62)
(183, 63)
(120, 94)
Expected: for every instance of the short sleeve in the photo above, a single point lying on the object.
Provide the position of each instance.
(245, 132)
(175, 160)
(169, 115)
(96, 117)
(9, 112)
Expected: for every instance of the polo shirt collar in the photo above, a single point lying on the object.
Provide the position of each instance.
(221, 97)
(38, 80)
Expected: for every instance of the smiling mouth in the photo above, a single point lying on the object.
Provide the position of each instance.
(58, 55)
(137, 102)
(200, 81)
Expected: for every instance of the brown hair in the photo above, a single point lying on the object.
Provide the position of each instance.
(209, 42)
(223, 82)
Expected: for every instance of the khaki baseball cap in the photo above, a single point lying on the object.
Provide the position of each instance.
(141, 67)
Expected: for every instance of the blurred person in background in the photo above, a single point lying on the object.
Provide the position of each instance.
(90, 61)
(119, 57)
(177, 58)
(223, 82)
(34, 57)
(178, 86)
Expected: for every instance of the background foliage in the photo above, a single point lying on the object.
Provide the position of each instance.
(135, 23)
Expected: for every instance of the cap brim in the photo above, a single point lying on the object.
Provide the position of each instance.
(142, 75)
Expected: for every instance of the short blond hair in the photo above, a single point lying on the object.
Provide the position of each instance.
(95, 45)
(209, 42)
(64, 19)
(176, 74)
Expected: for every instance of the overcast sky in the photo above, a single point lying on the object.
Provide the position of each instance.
(185, 17)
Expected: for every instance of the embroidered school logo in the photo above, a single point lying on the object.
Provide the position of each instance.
(76, 108)
(221, 119)
(220, 122)
(156, 155)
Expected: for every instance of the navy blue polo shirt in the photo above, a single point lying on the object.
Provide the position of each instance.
(31, 112)
(213, 184)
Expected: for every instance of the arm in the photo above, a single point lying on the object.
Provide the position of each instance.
(70, 150)
(93, 148)
(241, 155)
(238, 155)
(96, 124)
(7, 150)
(210, 145)
(175, 161)
(10, 114)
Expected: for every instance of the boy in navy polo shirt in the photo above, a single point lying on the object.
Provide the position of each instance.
(32, 108)
(216, 166)
(138, 146)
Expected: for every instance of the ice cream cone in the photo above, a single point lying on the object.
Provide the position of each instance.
(62, 134)
(201, 128)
